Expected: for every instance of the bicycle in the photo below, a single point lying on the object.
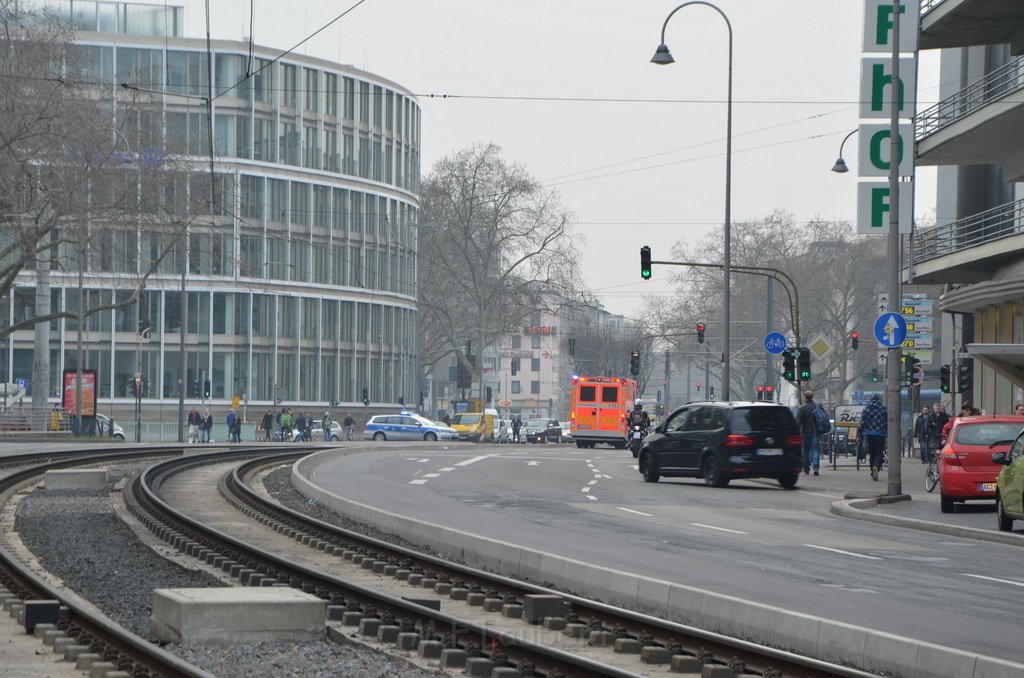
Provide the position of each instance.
(931, 476)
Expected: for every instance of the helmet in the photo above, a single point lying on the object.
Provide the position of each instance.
(875, 397)
(327, 414)
(639, 402)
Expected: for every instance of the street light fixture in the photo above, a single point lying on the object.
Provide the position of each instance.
(840, 166)
(662, 57)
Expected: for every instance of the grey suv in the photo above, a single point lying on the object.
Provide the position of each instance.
(719, 441)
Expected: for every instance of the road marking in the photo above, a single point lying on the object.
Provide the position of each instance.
(418, 481)
(533, 463)
(844, 587)
(467, 462)
(585, 489)
(431, 475)
(842, 552)
(606, 476)
(592, 482)
(447, 468)
(639, 513)
(591, 497)
(721, 529)
(995, 579)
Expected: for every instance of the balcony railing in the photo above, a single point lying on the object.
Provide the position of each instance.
(1002, 81)
(929, 5)
(977, 229)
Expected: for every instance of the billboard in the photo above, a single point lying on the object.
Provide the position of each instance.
(88, 392)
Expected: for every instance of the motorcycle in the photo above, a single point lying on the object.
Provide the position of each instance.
(636, 436)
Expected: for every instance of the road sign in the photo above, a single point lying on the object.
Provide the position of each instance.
(890, 329)
(820, 347)
(775, 342)
(22, 382)
(883, 303)
(918, 377)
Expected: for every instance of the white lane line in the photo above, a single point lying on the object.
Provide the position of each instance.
(639, 513)
(585, 489)
(418, 481)
(447, 468)
(591, 497)
(606, 476)
(592, 482)
(995, 579)
(842, 552)
(467, 462)
(721, 529)
(431, 475)
(422, 461)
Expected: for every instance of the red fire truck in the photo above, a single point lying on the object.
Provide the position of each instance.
(598, 410)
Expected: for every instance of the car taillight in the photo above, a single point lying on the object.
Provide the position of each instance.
(738, 441)
(951, 457)
(794, 441)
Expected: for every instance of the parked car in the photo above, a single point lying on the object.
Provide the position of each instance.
(407, 426)
(317, 432)
(719, 441)
(503, 431)
(1010, 485)
(103, 424)
(566, 432)
(540, 430)
(966, 469)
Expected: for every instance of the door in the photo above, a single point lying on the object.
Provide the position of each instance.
(667, 449)
(1013, 480)
(697, 435)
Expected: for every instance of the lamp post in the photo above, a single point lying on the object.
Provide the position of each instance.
(840, 166)
(662, 57)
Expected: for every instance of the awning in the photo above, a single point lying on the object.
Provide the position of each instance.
(1006, 359)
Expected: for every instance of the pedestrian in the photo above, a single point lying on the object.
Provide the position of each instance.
(517, 424)
(194, 419)
(236, 430)
(287, 421)
(940, 418)
(230, 421)
(56, 418)
(325, 426)
(966, 410)
(267, 424)
(807, 423)
(350, 427)
(305, 425)
(923, 432)
(1019, 409)
(207, 426)
(874, 427)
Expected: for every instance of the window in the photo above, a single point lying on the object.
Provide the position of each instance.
(516, 387)
(517, 341)
(535, 364)
(312, 90)
(289, 85)
(610, 394)
(746, 419)
(535, 341)
(535, 387)
(588, 394)
(677, 422)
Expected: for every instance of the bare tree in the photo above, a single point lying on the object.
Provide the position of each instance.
(496, 248)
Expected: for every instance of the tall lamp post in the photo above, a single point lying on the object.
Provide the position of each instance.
(840, 166)
(663, 57)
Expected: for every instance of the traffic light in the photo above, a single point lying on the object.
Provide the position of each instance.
(944, 379)
(803, 364)
(366, 397)
(661, 409)
(206, 389)
(769, 393)
(645, 262)
(910, 367)
(855, 340)
(964, 376)
(700, 333)
(760, 392)
(698, 387)
(488, 394)
(634, 363)
(874, 375)
(789, 364)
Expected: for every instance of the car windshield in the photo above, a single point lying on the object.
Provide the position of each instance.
(466, 419)
(537, 423)
(747, 419)
(987, 433)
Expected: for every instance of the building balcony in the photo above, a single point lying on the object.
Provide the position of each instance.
(969, 250)
(962, 23)
(973, 126)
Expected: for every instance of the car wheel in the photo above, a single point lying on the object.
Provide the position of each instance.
(119, 437)
(648, 469)
(788, 481)
(946, 504)
(714, 474)
(431, 436)
(379, 435)
(1004, 521)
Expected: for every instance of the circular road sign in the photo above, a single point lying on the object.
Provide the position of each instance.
(775, 342)
(890, 329)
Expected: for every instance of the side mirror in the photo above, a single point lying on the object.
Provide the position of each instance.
(1000, 458)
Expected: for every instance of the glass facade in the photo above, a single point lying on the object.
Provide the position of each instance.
(300, 264)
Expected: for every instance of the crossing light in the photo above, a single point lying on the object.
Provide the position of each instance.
(964, 376)
(789, 364)
(645, 262)
(944, 379)
(803, 364)
(769, 393)
(366, 397)
(760, 392)
(700, 333)
(634, 363)
(698, 387)
(206, 389)
(488, 394)
(910, 367)
(855, 340)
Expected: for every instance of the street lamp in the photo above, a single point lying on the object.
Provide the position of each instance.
(662, 57)
(840, 166)
(143, 336)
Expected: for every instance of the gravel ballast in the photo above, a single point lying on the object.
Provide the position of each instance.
(78, 538)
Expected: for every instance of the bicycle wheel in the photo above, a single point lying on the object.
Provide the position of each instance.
(931, 477)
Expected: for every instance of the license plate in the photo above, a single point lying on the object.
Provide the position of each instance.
(986, 487)
(636, 435)
(769, 452)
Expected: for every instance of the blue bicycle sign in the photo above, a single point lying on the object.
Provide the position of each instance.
(775, 342)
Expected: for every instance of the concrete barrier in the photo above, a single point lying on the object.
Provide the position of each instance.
(76, 479)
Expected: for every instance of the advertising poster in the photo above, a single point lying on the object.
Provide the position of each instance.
(88, 392)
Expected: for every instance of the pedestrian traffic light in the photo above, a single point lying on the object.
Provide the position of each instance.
(760, 392)
(634, 363)
(700, 333)
(874, 375)
(803, 364)
(769, 393)
(366, 397)
(206, 389)
(964, 376)
(789, 364)
(944, 379)
(645, 262)
(855, 340)
(488, 394)
(698, 387)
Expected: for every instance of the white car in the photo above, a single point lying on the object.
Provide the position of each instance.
(317, 432)
(503, 431)
(103, 424)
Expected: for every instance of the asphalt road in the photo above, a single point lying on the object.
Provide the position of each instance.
(752, 539)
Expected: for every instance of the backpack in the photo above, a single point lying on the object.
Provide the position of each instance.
(821, 422)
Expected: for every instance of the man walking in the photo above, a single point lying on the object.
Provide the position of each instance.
(874, 427)
(810, 452)
(350, 427)
(207, 425)
(939, 420)
(194, 420)
(923, 432)
(267, 424)
(517, 424)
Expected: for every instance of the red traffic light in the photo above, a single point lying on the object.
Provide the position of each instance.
(769, 388)
(700, 327)
(854, 339)
(760, 388)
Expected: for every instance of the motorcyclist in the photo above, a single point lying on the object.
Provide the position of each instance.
(638, 415)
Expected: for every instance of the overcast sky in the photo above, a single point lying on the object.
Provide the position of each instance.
(636, 151)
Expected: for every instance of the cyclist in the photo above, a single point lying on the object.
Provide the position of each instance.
(350, 427)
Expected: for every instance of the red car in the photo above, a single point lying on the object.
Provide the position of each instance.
(966, 469)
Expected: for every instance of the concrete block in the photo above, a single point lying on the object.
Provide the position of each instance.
(576, 630)
(407, 640)
(117, 674)
(85, 660)
(493, 604)
(452, 658)
(368, 626)
(443, 588)
(480, 667)
(628, 646)
(39, 612)
(415, 578)
(368, 563)
(536, 606)
(554, 623)
(351, 618)
(237, 614)
(42, 628)
(512, 611)
(506, 672)
(100, 669)
(885, 653)
(430, 649)
(476, 599)
(428, 582)
(716, 671)
(402, 574)
(76, 479)
(378, 566)
(458, 593)
(73, 652)
(61, 644)
(655, 655)
(388, 633)
(990, 667)
(390, 570)
(600, 638)
(334, 612)
(50, 636)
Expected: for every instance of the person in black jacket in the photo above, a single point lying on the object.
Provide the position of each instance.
(810, 453)
(206, 427)
(267, 425)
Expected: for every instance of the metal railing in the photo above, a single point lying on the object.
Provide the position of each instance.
(1006, 79)
(977, 229)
